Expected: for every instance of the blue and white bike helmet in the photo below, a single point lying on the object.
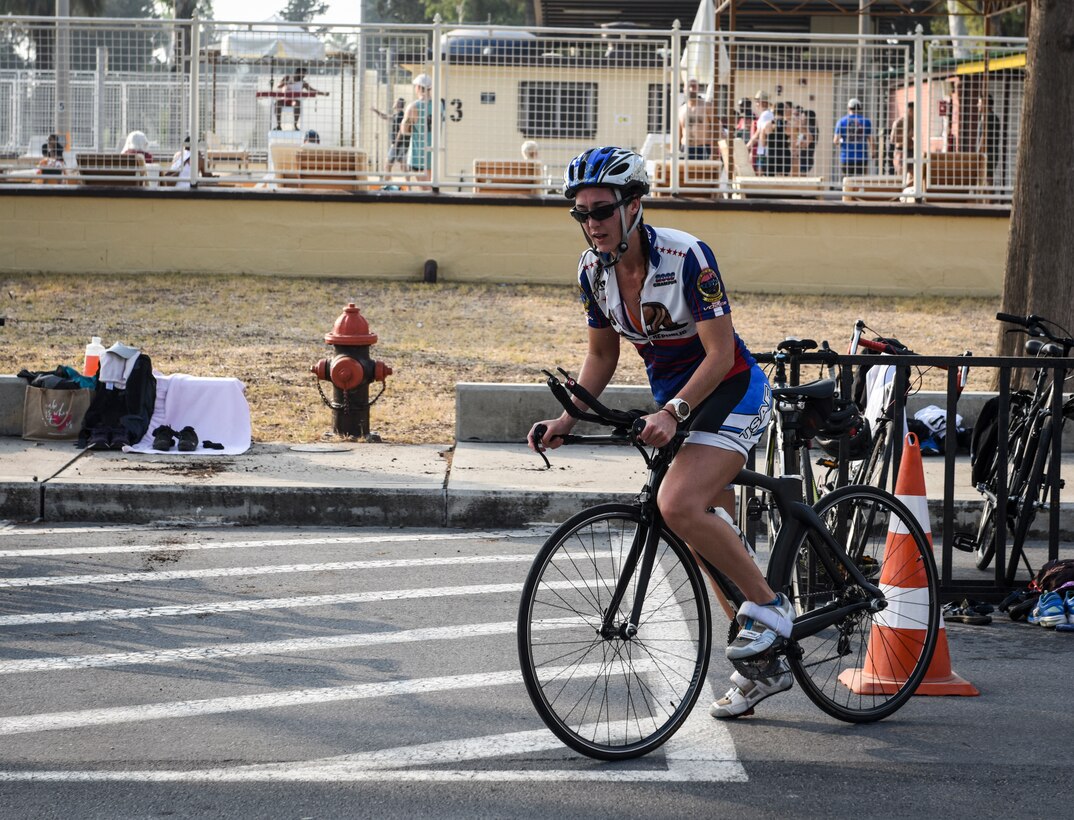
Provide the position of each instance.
(617, 168)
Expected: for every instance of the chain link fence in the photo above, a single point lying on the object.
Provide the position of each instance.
(287, 107)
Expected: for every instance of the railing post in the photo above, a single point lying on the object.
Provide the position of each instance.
(919, 114)
(98, 111)
(195, 100)
(676, 122)
(436, 117)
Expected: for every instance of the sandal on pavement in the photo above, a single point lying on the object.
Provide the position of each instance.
(957, 613)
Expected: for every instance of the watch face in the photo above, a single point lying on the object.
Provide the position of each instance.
(684, 410)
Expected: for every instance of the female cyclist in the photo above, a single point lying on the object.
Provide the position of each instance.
(661, 290)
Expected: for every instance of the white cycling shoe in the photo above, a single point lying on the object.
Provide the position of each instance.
(744, 693)
(761, 626)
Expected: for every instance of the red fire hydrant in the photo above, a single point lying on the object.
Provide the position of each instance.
(351, 370)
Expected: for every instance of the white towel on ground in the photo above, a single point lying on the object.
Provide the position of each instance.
(215, 407)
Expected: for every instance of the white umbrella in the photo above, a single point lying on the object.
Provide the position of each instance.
(699, 56)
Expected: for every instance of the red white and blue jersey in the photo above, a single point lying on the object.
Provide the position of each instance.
(683, 287)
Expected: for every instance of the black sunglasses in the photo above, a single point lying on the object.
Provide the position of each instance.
(599, 213)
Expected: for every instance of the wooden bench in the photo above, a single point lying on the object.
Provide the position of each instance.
(779, 186)
(518, 175)
(115, 170)
(954, 176)
(312, 167)
(216, 157)
(693, 174)
(873, 188)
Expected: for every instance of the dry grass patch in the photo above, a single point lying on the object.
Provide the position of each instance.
(267, 331)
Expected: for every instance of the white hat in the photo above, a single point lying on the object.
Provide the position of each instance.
(422, 81)
(854, 104)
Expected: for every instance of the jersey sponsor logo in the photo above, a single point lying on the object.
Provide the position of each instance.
(658, 318)
(666, 278)
(585, 298)
(709, 285)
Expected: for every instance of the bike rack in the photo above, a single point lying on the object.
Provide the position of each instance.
(1005, 565)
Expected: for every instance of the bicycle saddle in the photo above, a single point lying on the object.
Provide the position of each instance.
(1035, 347)
(793, 345)
(821, 389)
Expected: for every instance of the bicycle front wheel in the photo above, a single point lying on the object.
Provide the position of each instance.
(866, 666)
(604, 693)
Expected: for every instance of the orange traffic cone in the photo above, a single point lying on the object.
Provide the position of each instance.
(888, 658)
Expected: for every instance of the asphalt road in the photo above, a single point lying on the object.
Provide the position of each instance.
(373, 673)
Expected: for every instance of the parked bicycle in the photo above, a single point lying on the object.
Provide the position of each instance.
(614, 628)
(1031, 456)
(873, 451)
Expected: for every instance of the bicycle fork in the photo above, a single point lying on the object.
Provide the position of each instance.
(646, 551)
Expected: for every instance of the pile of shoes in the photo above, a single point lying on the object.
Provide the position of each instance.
(967, 611)
(109, 438)
(1054, 610)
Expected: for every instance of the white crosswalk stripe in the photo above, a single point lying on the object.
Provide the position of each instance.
(702, 750)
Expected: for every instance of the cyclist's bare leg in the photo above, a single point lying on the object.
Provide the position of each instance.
(684, 498)
(725, 499)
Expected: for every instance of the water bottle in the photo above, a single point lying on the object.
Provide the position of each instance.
(94, 351)
(722, 513)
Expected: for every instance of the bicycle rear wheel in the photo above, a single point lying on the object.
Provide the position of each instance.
(866, 666)
(606, 695)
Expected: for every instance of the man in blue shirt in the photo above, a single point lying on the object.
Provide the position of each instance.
(854, 136)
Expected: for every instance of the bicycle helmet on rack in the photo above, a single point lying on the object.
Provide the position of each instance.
(844, 422)
(609, 167)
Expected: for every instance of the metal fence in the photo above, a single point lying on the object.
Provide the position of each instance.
(502, 110)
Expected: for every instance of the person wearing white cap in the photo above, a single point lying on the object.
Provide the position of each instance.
(854, 136)
(762, 126)
(417, 127)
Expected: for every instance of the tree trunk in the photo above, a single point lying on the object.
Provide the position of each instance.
(1039, 276)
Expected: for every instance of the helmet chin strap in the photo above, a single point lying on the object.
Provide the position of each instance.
(608, 260)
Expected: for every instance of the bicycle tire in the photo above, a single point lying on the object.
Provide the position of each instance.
(612, 698)
(884, 654)
(1018, 465)
(1027, 511)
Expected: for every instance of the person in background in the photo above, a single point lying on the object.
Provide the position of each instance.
(902, 145)
(417, 127)
(51, 167)
(763, 117)
(397, 149)
(530, 150)
(293, 84)
(180, 167)
(697, 123)
(777, 143)
(311, 137)
(807, 139)
(854, 136)
(744, 123)
(137, 143)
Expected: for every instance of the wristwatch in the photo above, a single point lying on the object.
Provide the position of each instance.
(679, 408)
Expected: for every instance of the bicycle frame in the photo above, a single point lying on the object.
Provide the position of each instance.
(798, 520)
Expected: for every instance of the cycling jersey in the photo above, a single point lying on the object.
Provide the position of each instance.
(683, 287)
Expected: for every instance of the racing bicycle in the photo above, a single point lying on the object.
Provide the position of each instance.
(614, 627)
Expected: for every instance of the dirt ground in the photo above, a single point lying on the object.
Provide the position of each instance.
(267, 331)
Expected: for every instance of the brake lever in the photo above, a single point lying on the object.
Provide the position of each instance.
(536, 438)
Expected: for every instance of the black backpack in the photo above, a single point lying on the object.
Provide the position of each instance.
(985, 439)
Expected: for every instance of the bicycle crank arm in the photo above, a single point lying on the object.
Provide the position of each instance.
(813, 622)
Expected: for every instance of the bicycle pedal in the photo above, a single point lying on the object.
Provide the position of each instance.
(964, 542)
(761, 666)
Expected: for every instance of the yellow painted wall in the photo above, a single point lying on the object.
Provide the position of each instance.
(818, 249)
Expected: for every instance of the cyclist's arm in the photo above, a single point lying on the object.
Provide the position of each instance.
(718, 338)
